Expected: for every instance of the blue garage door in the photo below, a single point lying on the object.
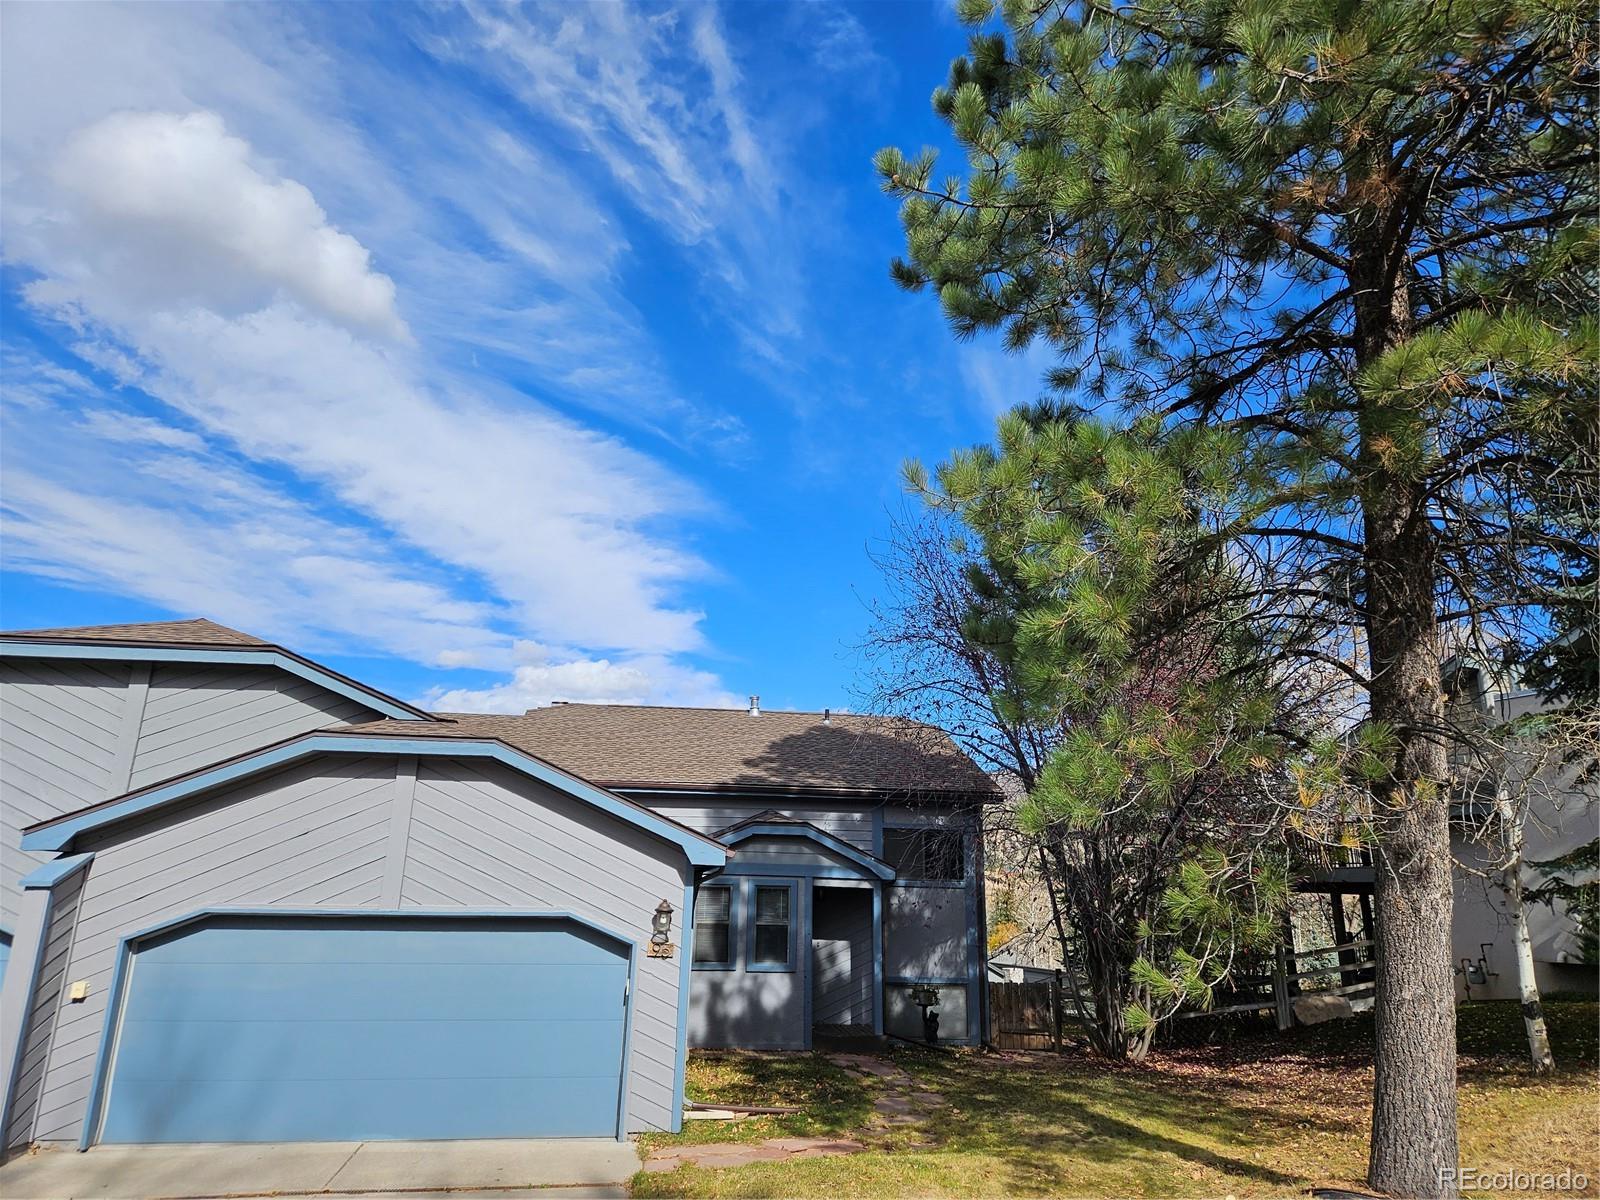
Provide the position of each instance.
(269, 1030)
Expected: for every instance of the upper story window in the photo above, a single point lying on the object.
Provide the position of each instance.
(713, 927)
(770, 939)
(935, 854)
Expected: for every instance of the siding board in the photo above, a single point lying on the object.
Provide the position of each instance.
(196, 717)
(46, 1003)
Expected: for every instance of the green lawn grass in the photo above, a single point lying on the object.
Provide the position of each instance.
(1259, 1116)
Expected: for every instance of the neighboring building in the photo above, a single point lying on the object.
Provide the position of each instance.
(1558, 814)
(1026, 958)
(254, 900)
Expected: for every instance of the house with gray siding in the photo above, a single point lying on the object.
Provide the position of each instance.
(250, 899)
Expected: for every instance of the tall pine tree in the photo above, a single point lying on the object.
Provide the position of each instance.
(1347, 234)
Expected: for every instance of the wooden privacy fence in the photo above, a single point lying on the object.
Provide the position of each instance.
(1026, 1016)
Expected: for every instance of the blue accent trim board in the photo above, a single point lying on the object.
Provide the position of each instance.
(49, 874)
(951, 884)
(685, 985)
(264, 657)
(974, 968)
(877, 961)
(58, 834)
(811, 834)
(128, 945)
(807, 897)
(629, 999)
(763, 866)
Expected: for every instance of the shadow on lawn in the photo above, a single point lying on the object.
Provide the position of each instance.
(1041, 1117)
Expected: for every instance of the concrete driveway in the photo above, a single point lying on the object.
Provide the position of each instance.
(465, 1170)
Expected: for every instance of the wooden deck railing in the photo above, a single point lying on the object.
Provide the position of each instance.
(1035, 1016)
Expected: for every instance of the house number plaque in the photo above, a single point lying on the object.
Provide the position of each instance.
(664, 950)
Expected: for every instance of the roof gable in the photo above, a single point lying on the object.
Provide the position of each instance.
(196, 641)
(772, 824)
(59, 832)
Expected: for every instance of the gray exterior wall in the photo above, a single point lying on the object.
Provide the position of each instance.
(43, 1008)
(904, 1018)
(61, 724)
(927, 936)
(752, 1010)
(195, 715)
(75, 732)
(376, 832)
(934, 935)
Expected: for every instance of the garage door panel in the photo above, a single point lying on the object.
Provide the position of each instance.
(345, 1110)
(248, 939)
(358, 991)
(288, 1029)
(214, 1050)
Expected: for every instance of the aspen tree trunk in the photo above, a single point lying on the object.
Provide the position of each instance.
(1516, 908)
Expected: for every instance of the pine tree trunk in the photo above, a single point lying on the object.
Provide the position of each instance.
(1414, 1147)
(1414, 1092)
(1527, 982)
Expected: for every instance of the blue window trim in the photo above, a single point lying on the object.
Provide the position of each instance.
(105, 1053)
(752, 882)
(732, 963)
(265, 656)
(58, 835)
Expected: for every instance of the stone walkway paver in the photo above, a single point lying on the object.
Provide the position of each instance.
(900, 1104)
(903, 1102)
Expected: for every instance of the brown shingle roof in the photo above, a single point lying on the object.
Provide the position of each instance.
(643, 746)
(196, 632)
(199, 634)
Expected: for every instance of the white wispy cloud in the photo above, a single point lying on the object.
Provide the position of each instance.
(998, 380)
(649, 679)
(188, 529)
(654, 97)
(301, 447)
(291, 277)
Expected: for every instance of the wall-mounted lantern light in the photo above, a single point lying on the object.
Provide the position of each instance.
(661, 923)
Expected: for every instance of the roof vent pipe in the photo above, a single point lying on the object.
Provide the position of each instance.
(827, 716)
(755, 706)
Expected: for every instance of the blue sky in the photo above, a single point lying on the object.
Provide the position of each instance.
(493, 355)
